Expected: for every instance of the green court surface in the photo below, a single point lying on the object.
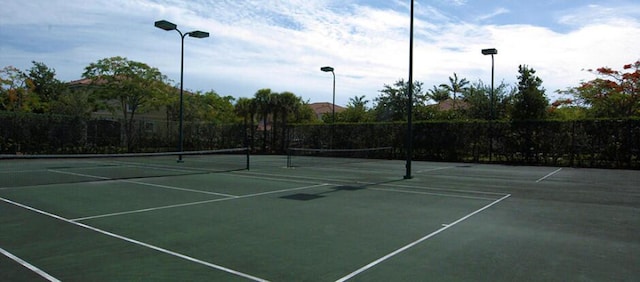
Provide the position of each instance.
(355, 221)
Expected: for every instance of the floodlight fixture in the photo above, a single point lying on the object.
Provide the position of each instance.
(490, 51)
(326, 69)
(199, 34)
(166, 25)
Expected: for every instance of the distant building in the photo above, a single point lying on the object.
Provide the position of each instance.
(450, 104)
(324, 108)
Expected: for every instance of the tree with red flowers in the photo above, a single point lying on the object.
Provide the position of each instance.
(614, 94)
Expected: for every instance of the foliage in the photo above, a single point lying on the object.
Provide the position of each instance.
(133, 85)
(356, 111)
(438, 94)
(614, 94)
(391, 104)
(530, 102)
(455, 86)
(15, 94)
(42, 82)
(477, 97)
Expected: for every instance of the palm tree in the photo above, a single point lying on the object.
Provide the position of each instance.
(456, 86)
(438, 94)
(262, 99)
(289, 104)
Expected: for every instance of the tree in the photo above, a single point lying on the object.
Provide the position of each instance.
(530, 102)
(455, 86)
(288, 105)
(15, 95)
(263, 103)
(73, 102)
(391, 104)
(356, 110)
(438, 94)
(208, 107)
(131, 85)
(614, 94)
(477, 96)
(43, 82)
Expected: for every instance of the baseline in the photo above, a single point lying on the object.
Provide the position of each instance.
(136, 242)
(29, 266)
(410, 245)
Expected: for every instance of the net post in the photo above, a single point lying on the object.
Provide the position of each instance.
(248, 158)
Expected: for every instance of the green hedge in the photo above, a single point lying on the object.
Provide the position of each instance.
(583, 143)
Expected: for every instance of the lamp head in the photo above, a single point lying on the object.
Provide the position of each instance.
(166, 25)
(199, 34)
(326, 69)
(490, 51)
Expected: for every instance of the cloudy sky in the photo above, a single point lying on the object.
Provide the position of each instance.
(281, 44)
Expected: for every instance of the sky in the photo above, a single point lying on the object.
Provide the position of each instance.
(282, 45)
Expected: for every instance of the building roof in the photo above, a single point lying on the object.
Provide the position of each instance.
(324, 107)
(448, 104)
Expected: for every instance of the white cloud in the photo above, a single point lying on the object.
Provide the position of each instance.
(282, 44)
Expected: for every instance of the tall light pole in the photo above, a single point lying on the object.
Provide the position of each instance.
(333, 104)
(166, 25)
(491, 51)
(410, 103)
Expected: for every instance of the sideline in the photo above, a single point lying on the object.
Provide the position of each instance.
(548, 175)
(29, 266)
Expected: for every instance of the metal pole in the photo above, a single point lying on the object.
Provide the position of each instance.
(493, 98)
(410, 103)
(180, 133)
(492, 117)
(333, 109)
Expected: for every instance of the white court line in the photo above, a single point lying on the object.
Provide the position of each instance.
(445, 227)
(136, 242)
(143, 183)
(29, 266)
(324, 179)
(196, 203)
(434, 189)
(434, 169)
(548, 175)
(149, 209)
(433, 194)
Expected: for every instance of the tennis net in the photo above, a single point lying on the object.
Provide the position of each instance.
(31, 170)
(303, 157)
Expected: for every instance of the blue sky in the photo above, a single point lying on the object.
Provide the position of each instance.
(282, 44)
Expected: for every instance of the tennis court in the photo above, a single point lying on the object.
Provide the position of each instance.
(327, 220)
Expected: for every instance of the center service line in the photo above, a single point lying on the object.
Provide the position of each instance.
(398, 251)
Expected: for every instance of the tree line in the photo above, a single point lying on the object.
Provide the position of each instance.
(128, 88)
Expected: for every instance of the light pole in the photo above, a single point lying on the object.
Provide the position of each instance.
(410, 103)
(333, 105)
(491, 51)
(166, 25)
